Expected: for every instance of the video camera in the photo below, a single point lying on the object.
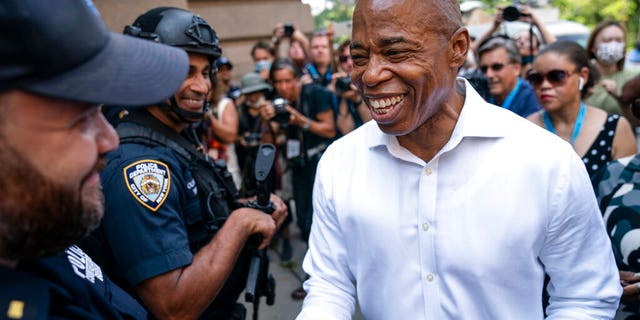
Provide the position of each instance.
(282, 115)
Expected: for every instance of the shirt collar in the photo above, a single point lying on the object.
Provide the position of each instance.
(475, 120)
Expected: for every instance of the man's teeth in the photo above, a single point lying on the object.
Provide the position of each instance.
(384, 103)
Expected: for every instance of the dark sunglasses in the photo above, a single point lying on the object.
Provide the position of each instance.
(556, 77)
(635, 108)
(495, 67)
(344, 58)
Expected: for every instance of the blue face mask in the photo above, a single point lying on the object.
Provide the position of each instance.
(263, 64)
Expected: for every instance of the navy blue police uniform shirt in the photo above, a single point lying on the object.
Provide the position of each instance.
(147, 190)
(151, 204)
(65, 286)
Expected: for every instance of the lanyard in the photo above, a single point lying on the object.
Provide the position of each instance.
(576, 126)
(512, 96)
(509, 99)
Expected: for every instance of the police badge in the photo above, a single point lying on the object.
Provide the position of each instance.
(149, 182)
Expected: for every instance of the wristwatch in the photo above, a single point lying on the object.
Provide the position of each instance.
(306, 125)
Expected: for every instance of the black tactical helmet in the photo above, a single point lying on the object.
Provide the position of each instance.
(178, 28)
(183, 29)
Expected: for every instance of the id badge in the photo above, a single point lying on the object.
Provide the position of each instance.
(293, 148)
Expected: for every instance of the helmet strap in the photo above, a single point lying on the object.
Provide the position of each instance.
(181, 114)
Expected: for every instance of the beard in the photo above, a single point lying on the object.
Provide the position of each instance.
(39, 217)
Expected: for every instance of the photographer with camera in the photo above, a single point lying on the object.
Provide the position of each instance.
(174, 231)
(527, 41)
(298, 49)
(252, 128)
(351, 112)
(306, 118)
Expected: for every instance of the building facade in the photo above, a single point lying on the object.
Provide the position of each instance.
(239, 23)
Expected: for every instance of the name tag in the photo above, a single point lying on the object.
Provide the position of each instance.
(293, 148)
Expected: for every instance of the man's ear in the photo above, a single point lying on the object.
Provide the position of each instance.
(459, 47)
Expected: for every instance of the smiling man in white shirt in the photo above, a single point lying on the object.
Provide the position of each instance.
(446, 207)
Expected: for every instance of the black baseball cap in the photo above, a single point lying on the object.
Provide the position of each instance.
(223, 61)
(64, 50)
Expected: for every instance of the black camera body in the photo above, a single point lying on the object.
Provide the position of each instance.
(288, 30)
(512, 13)
(343, 84)
(282, 115)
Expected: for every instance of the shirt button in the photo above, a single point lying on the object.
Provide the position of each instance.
(425, 226)
(428, 171)
(430, 277)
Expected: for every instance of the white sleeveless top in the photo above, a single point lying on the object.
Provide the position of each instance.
(232, 158)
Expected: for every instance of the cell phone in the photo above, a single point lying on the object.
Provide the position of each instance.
(288, 30)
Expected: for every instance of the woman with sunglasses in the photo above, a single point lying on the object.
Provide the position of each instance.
(617, 189)
(561, 76)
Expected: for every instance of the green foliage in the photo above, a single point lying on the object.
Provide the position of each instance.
(339, 12)
(592, 12)
(587, 12)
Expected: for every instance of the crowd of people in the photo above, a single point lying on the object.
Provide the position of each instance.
(430, 174)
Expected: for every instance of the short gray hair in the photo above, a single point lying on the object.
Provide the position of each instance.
(500, 42)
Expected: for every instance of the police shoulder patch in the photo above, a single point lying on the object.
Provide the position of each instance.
(149, 182)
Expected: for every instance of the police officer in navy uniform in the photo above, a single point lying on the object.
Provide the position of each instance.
(58, 63)
(174, 230)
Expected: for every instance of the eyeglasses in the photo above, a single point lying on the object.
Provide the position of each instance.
(344, 59)
(635, 108)
(495, 67)
(556, 77)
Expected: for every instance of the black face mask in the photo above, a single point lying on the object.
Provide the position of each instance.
(527, 59)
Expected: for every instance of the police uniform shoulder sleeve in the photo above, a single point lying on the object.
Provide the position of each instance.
(78, 289)
(148, 182)
(22, 296)
(147, 190)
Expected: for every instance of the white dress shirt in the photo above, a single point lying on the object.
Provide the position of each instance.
(468, 235)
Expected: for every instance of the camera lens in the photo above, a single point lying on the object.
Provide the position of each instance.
(282, 115)
(511, 13)
(343, 84)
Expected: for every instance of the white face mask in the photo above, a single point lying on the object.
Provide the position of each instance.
(610, 52)
(257, 104)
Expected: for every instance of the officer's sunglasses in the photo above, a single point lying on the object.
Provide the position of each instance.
(555, 77)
